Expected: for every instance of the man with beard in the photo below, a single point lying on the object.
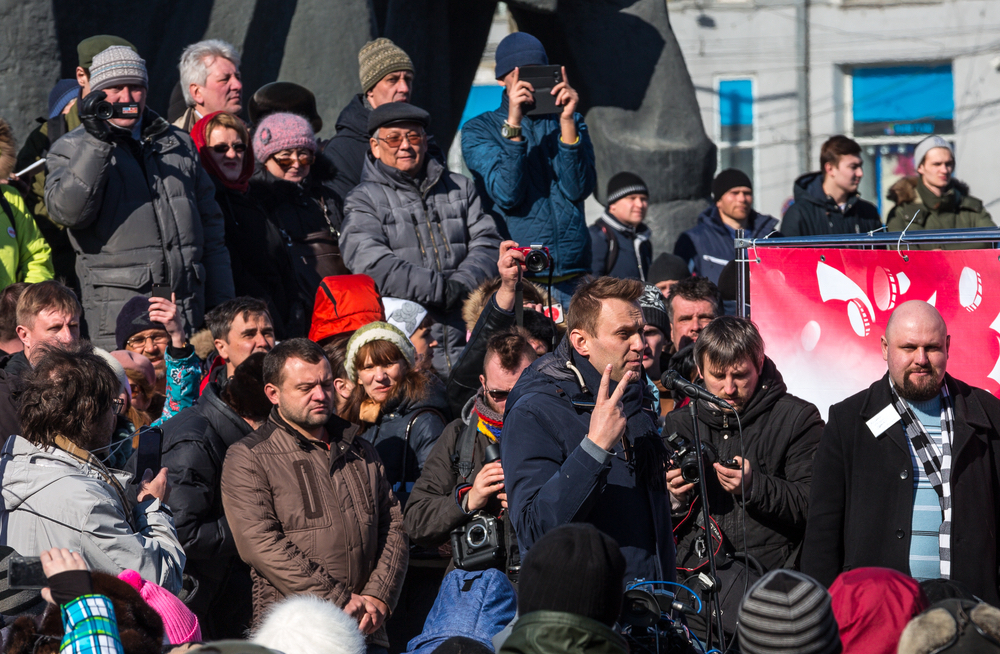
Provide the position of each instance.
(309, 505)
(907, 475)
(769, 482)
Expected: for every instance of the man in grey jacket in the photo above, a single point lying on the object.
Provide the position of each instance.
(140, 208)
(57, 493)
(417, 229)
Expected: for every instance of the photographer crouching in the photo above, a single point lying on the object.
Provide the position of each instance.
(767, 472)
(459, 497)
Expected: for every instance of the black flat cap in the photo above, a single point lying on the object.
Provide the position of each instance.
(397, 112)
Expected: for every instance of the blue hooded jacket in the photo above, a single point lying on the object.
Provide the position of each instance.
(709, 245)
(535, 188)
(476, 605)
(554, 475)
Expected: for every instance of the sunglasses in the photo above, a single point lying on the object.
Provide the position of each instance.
(117, 405)
(305, 158)
(396, 140)
(223, 148)
(498, 396)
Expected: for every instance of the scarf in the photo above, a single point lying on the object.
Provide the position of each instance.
(937, 464)
(369, 411)
(200, 138)
(489, 422)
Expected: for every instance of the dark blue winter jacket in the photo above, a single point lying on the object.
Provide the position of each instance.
(709, 245)
(476, 605)
(535, 188)
(633, 251)
(554, 475)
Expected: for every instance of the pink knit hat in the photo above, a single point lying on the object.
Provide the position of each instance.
(279, 132)
(179, 624)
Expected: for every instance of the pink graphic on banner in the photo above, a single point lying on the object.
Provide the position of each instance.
(822, 313)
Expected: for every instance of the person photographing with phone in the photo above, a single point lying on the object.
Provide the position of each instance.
(580, 440)
(57, 493)
(534, 170)
(140, 208)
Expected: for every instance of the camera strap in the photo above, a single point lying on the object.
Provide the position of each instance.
(466, 449)
(519, 303)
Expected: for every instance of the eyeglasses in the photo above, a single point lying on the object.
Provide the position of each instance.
(498, 396)
(117, 405)
(304, 157)
(137, 341)
(223, 148)
(396, 140)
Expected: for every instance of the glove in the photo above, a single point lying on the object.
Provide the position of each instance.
(96, 127)
(454, 295)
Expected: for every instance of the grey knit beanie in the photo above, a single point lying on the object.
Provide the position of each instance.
(116, 66)
(787, 611)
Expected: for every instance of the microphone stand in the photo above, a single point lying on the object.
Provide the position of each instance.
(714, 605)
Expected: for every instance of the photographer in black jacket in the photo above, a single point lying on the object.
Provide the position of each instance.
(194, 446)
(454, 483)
(775, 455)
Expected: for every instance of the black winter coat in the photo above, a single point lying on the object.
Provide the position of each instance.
(632, 247)
(814, 212)
(261, 261)
(780, 435)
(388, 434)
(463, 381)
(194, 447)
(861, 506)
(309, 217)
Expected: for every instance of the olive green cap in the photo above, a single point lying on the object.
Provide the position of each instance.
(97, 44)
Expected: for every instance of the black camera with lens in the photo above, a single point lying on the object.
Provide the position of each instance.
(685, 457)
(536, 258)
(479, 543)
(107, 110)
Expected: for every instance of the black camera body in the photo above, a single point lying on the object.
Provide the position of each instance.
(536, 258)
(107, 110)
(479, 544)
(686, 457)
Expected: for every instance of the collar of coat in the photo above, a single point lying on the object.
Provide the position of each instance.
(379, 173)
(970, 416)
(338, 431)
(640, 232)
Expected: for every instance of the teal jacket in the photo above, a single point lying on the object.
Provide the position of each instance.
(535, 188)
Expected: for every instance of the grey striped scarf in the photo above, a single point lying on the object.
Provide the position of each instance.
(937, 464)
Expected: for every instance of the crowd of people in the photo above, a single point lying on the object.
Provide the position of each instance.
(399, 409)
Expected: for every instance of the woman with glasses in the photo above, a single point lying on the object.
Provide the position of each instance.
(399, 409)
(260, 257)
(289, 184)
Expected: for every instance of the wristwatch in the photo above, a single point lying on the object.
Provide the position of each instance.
(508, 131)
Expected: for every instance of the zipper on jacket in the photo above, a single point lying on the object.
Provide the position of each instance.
(430, 232)
(420, 241)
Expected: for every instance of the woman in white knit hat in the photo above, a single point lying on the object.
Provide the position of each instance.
(399, 409)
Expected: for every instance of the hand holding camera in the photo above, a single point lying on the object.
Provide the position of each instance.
(95, 125)
(520, 93)
(734, 479)
(488, 482)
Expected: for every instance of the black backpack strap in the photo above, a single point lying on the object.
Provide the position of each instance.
(406, 436)
(612, 258)
(465, 448)
(7, 209)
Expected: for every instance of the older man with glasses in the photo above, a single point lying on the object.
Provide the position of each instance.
(416, 228)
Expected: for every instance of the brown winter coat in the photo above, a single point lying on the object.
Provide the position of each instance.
(312, 521)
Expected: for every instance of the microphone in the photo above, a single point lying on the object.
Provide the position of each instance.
(675, 382)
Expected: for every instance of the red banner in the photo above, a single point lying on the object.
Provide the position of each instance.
(822, 313)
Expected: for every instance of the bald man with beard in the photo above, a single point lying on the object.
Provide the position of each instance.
(906, 474)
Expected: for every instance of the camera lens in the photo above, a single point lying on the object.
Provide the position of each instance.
(476, 535)
(104, 110)
(536, 261)
(689, 469)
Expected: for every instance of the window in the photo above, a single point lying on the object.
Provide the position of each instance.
(892, 109)
(736, 134)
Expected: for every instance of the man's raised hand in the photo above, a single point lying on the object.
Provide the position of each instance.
(608, 420)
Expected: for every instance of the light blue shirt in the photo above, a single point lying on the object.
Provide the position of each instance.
(925, 557)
